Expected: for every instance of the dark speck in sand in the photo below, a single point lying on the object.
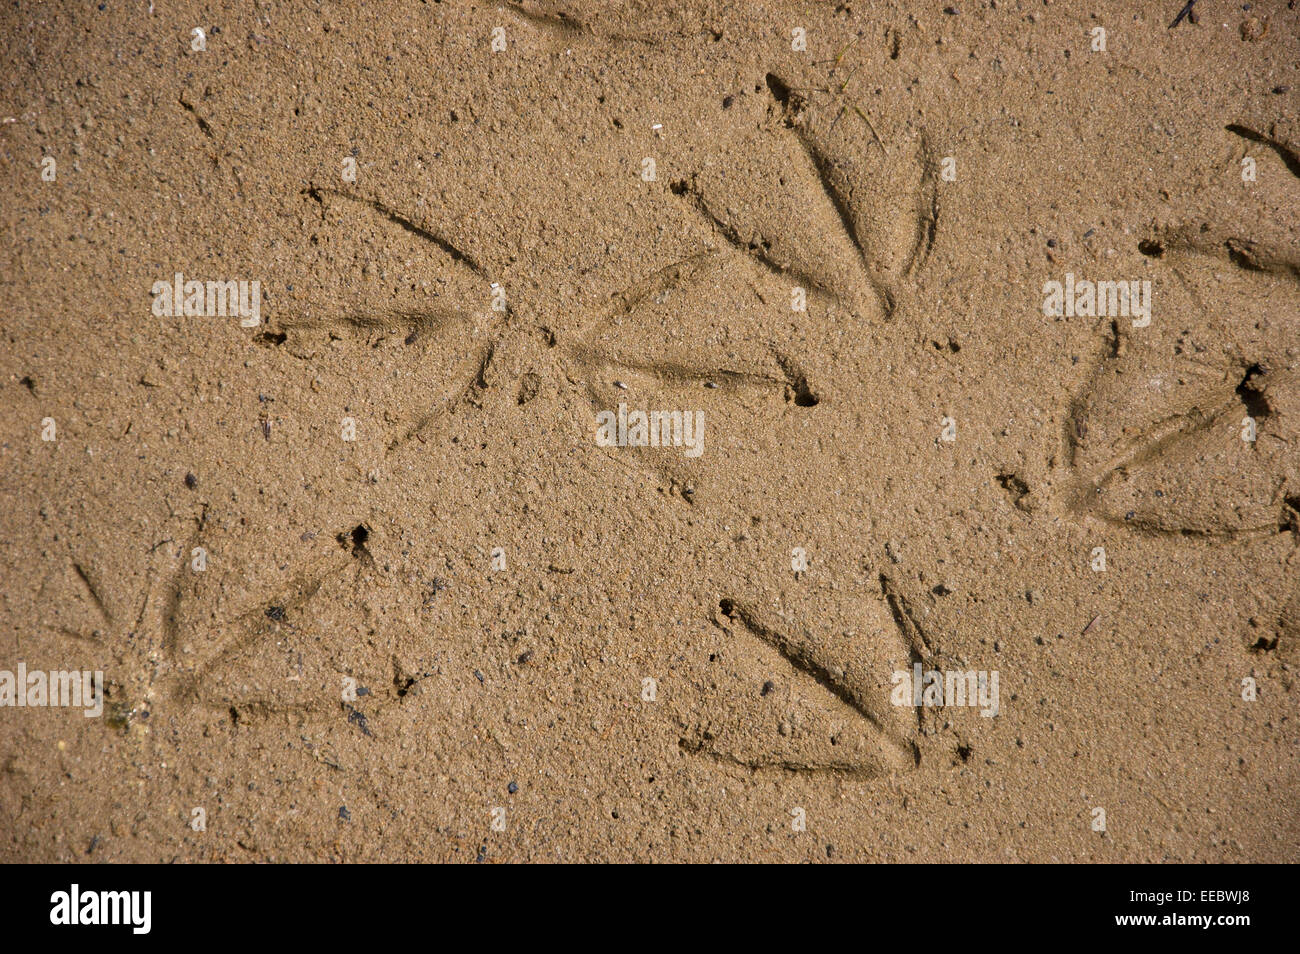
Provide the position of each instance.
(358, 718)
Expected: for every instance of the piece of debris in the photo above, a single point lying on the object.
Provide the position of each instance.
(1185, 12)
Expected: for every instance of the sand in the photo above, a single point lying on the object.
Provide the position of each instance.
(982, 332)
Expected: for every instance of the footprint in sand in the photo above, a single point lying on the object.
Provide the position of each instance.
(713, 332)
(1196, 433)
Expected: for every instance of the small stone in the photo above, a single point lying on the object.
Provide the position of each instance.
(191, 481)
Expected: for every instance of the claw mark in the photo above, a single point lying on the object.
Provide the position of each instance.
(1288, 156)
(93, 591)
(904, 619)
(254, 623)
(1288, 627)
(760, 249)
(825, 168)
(80, 637)
(409, 325)
(557, 23)
(927, 216)
(569, 30)
(317, 192)
(680, 373)
(479, 383)
(171, 613)
(797, 653)
(469, 376)
(1254, 395)
(661, 280)
(1076, 419)
(699, 743)
(793, 382)
(204, 125)
(1243, 252)
(796, 382)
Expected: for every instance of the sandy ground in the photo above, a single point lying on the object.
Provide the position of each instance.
(363, 582)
